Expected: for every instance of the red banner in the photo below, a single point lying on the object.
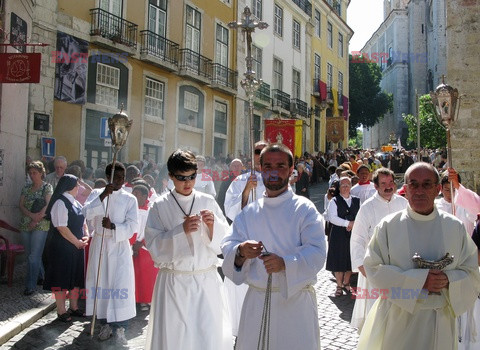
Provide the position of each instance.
(20, 67)
(281, 131)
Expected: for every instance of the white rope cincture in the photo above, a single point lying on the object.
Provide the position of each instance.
(264, 336)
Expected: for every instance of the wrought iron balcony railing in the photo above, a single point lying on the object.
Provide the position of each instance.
(263, 92)
(158, 46)
(115, 28)
(225, 76)
(305, 5)
(192, 61)
(301, 107)
(280, 99)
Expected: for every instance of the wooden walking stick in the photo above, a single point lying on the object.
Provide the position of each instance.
(119, 126)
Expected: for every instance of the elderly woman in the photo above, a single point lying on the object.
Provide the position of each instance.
(33, 203)
(64, 268)
(342, 211)
(301, 186)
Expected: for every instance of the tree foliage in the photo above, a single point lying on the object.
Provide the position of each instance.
(368, 103)
(357, 141)
(432, 134)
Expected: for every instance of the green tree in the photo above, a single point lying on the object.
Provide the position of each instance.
(357, 141)
(432, 134)
(368, 103)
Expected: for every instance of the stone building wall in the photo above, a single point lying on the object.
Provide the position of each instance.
(463, 68)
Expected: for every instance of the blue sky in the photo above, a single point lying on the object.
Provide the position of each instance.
(364, 17)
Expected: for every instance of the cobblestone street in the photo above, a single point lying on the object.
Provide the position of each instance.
(48, 333)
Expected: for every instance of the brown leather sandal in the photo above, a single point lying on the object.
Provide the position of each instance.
(338, 292)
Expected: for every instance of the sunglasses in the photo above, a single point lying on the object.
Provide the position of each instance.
(185, 177)
(258, 151)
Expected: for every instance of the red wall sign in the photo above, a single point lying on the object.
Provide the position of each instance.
(20, 67)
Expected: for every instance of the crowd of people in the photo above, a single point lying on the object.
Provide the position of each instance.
(151, 234)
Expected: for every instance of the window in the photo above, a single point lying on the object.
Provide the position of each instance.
(112, 6)
(191, 106)
(257, 8)
(278, 20)
(108, 84)
(154, 91)
(330, 35)
(157, 17)
(329, 76)
(220, 118)
(340, 45)
(318, 23)
(317, 70)
(296, 34)
(193, 27)
(317, 135)
(340, 84)
(277, 74)
(152, 152)
(295, 84)
(257, 61)
(221, 50)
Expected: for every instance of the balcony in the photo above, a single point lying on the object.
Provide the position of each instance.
(305, 5)
(299, 107)
(159, 50)
(280, 101)
(224, 78)
(113, 32)
(262, 95)
(195, 66)
(329, 95)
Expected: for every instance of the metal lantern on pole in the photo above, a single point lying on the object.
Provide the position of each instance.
(445, 99)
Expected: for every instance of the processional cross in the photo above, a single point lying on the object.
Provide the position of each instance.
(250, 83)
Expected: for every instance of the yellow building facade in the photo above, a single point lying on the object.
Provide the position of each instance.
(168, 64)
(330, 73)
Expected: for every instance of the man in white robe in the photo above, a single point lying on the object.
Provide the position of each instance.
(183, 234)
(383, 203)
(116, 287)
(365, 188)
(418, 306)
(237, 197)
(292, 230)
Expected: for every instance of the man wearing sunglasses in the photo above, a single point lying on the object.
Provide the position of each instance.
(419, 306)
(183, 234)
(238, 195)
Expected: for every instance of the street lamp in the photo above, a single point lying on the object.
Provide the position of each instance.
(445, 100)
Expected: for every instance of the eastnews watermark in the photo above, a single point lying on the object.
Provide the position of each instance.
(82, 57)
(392, 293)
(101, 293)
(385, 57)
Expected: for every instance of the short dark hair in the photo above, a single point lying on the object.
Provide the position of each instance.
(141, 188)
(118, 167)
(444, 180)
(278, 147)
(383, 171)
(182, 161)
(131, 173)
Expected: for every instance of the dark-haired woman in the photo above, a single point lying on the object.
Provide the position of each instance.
(63, 255)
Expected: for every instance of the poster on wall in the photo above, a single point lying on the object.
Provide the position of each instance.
(18, 32)
(71, 60)
(1, 166)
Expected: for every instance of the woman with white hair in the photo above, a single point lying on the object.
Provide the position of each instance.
(342, 211)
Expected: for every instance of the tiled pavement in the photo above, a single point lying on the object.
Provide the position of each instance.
(23, 316)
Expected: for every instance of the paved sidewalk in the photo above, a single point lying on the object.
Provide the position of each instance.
(30, 329)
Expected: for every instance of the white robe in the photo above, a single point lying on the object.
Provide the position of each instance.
(370, 214)
(460, 212)
(291, 227)
(188, 308)
(402, 320)
(233, 197)
(116, 296)
(233, 207)
(363, 191)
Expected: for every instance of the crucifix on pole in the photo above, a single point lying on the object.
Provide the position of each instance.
(250, 83)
